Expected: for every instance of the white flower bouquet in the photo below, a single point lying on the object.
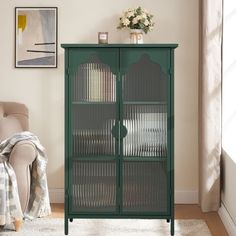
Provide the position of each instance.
(137, 18)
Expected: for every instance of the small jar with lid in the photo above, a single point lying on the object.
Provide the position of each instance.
(102, 37)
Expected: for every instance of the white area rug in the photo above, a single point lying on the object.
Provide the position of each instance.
(109, 227)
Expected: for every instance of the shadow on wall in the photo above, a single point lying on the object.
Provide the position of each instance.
(52, 121)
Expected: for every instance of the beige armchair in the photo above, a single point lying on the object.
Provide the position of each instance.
(14, 119)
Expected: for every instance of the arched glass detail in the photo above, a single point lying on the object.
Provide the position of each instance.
(145, 81)
(94, 109)
(145, 110)
(94, 82)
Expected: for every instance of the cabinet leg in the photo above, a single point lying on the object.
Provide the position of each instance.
(66, 226)
(172, 226)
(71, 219)
(168, 220)
(18, 224)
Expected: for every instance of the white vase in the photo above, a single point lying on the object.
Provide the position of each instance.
(136, 36)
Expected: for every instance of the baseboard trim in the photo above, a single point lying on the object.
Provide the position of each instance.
(227, 220)
(181, 197)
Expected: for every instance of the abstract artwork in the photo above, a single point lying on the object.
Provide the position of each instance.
(36, 37)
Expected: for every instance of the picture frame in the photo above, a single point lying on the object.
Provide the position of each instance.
(36, 39)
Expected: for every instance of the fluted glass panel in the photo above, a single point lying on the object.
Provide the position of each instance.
(94, 82)
(144, 186)
(91, 130)
(147, 130)
(145, 81)
(93, 186)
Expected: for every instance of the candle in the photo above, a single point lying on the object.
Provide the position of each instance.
(102, 37)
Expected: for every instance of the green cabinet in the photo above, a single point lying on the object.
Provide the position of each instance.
(119, 131)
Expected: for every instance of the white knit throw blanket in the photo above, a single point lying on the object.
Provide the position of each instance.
(39, 206)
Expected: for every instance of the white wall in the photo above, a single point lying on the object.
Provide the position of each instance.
(79, 21)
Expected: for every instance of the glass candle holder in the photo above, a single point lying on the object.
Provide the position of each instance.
(102, 37)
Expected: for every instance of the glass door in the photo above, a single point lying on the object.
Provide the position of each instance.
(144, 114)
(93, 148)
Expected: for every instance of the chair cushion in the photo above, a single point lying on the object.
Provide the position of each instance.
(8, 126)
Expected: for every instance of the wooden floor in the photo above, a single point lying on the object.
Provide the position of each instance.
(181, 212)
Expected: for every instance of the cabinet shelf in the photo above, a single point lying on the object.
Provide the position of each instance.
(110, 158)
(143, 158)
(93, 103)
(93, 158)
(143, 103)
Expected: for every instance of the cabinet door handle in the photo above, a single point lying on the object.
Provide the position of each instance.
(115, 130)
(123, 131)
(119, 131)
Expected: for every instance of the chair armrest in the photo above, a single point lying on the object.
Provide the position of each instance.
(21, 157)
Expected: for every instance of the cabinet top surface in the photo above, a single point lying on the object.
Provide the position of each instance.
(161, 45)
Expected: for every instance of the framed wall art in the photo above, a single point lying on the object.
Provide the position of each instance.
(36, 37)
